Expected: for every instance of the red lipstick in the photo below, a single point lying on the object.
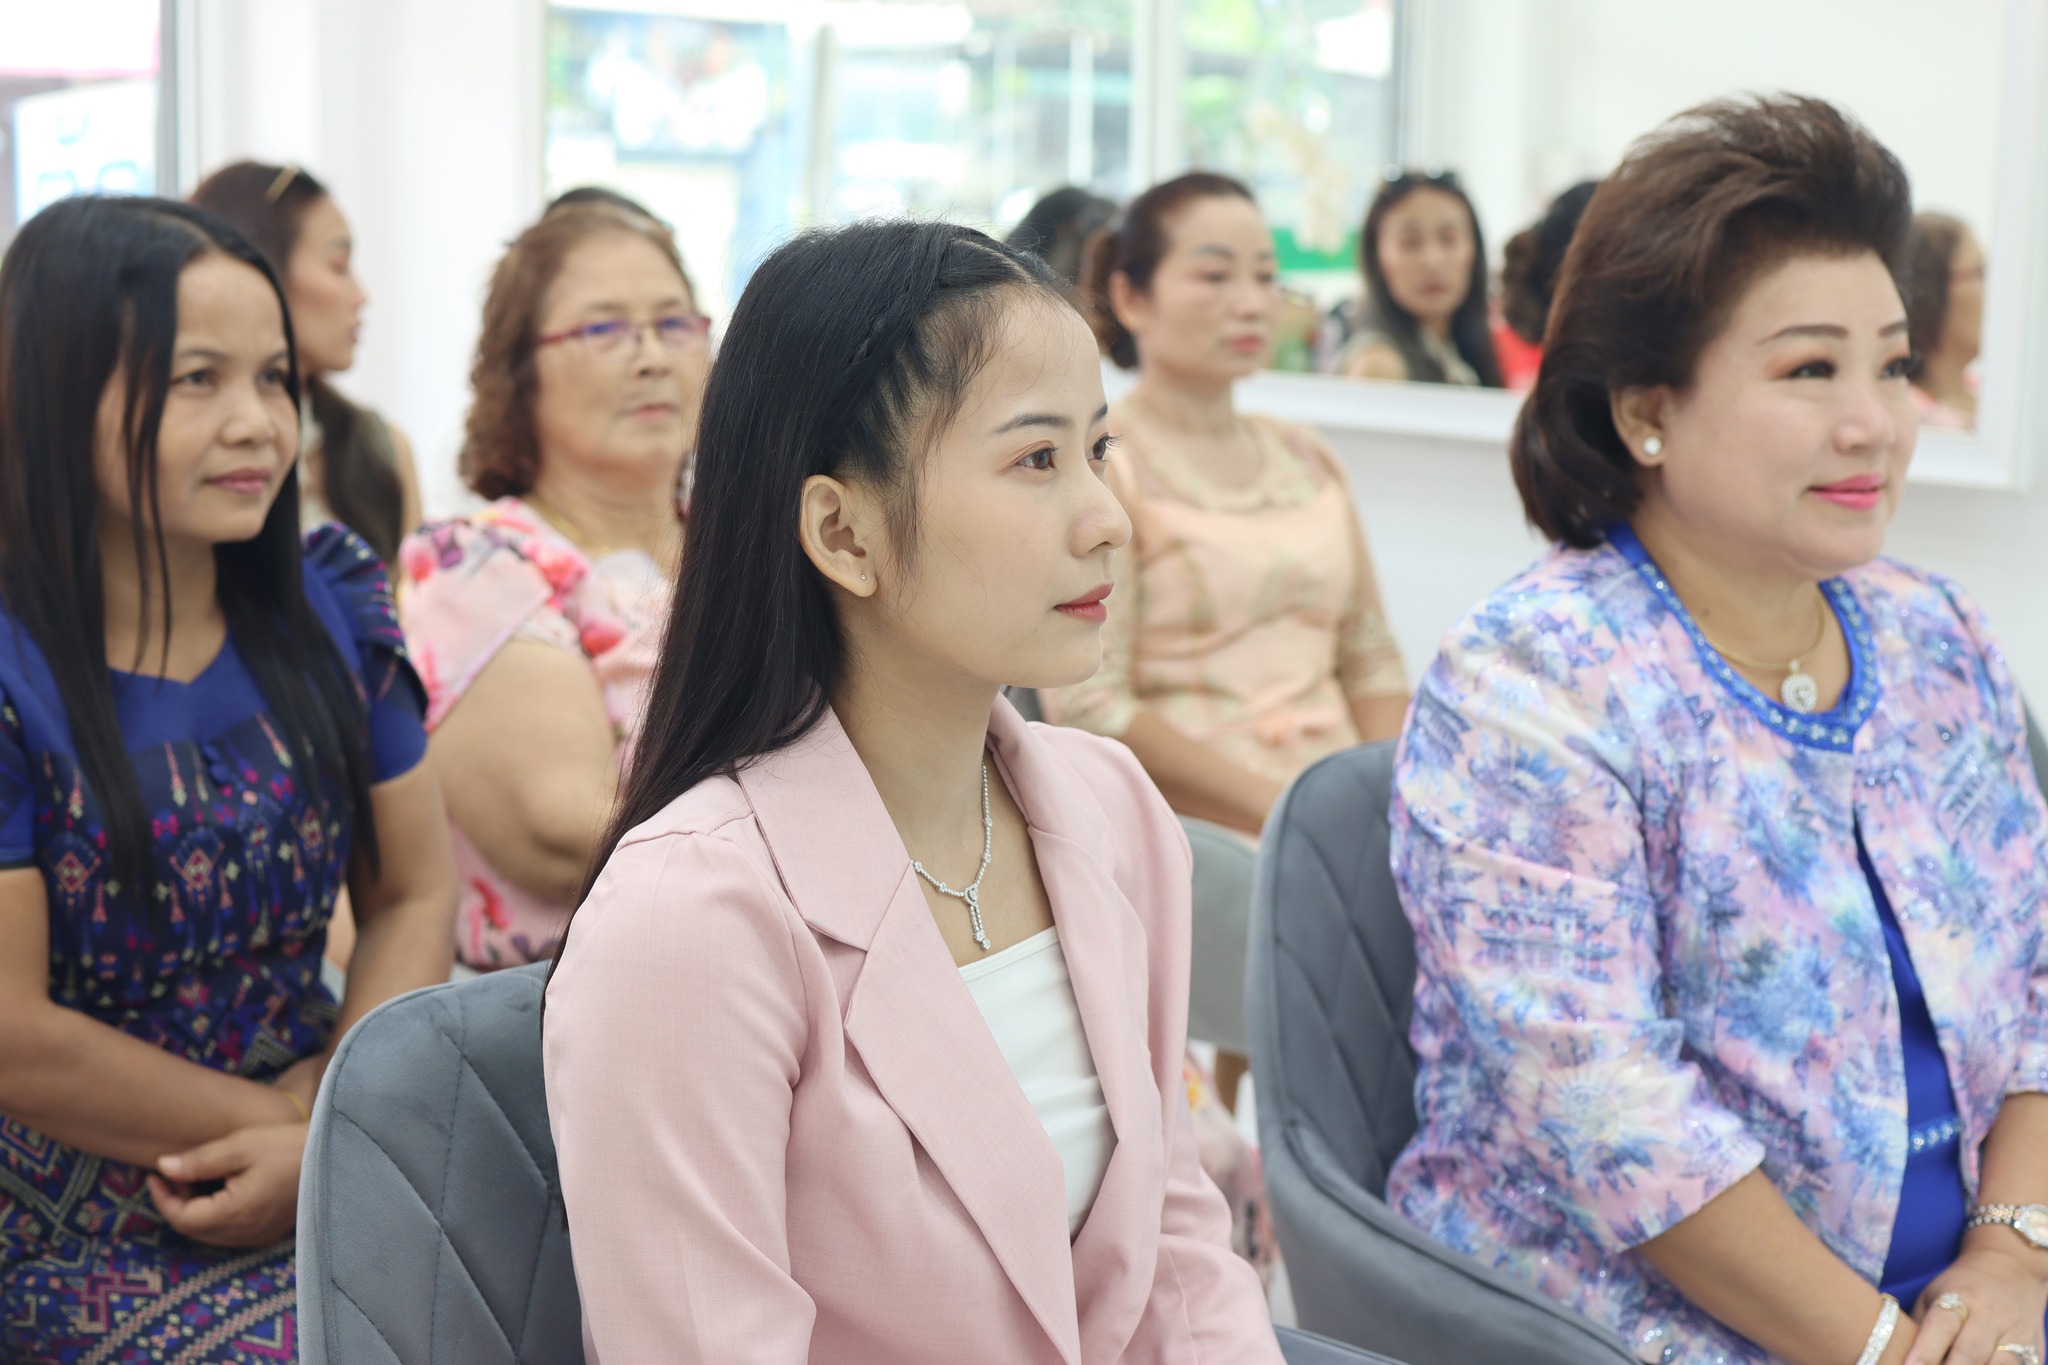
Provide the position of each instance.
(1088, 606)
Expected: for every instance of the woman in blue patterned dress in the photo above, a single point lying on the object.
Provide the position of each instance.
(206, 730)
(1717, 829)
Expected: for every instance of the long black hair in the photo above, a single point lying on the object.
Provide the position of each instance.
(849, 351)
(1471, 333)
(358, 462)
(88, 296)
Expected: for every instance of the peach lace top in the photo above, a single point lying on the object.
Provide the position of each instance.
(1248, 618)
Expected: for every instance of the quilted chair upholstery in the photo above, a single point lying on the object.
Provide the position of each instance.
(1329, 986)
(431, 1229)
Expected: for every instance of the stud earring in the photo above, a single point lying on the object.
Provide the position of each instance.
(1653, 447)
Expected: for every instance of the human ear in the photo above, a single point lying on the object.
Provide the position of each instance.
(1639, 416)
(837, 526)
(1132, 308)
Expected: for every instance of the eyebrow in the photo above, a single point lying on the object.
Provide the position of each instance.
(1830, 330)
(1227, 254)
(1046, 419)
(189, 353)
(613, 306)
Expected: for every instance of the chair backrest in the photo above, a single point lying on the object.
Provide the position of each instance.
(431, 1226)
(1225, 863)
(1339, 966)
(1306, 1348)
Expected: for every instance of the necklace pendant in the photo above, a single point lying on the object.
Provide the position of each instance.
(1800, 692)
(973, 899)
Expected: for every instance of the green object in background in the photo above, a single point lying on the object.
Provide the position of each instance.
(1295, 259)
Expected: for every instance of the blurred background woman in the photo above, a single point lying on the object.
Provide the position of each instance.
(1057, 228)
(1424, 319)
(1247, 639)
(206, 728)
(1947, 313)
(354, 467)
(534, 620)
(1528, 281)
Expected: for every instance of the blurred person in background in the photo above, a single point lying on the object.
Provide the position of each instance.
(534, 620)
(354, 467)
(1247, 637)
(1528, 281)
(1424, 318)
(1946, 307)
(207, 728)
(1057, 228)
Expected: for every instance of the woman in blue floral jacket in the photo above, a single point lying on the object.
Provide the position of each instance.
(1717, 830)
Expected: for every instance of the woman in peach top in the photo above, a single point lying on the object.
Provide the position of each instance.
(1247, 639)
(535, 620)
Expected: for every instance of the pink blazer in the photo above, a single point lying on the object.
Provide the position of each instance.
(786, 1134)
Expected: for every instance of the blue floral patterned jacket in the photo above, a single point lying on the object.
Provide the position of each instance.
(1648, 961)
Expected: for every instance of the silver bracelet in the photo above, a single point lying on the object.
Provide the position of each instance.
(1881, 1335)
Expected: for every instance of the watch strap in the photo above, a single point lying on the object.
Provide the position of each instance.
(1984, 1215)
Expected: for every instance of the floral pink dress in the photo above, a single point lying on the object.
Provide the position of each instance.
(503, 574)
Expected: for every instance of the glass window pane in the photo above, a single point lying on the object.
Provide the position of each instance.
(78, 102)
(1299, 98)
(740, 123)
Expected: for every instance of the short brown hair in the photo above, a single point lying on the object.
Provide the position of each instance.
(1695, 213)
(500, 450)
(1134, 247)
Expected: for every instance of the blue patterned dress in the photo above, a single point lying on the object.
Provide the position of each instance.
(250, 862)
(1669, 933)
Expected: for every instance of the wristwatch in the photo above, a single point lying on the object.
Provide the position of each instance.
(2028, 1220)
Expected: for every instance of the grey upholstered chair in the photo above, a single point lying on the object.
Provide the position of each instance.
(431, 1229)
(430, 1219)
(1329, 988)
(1224, 863)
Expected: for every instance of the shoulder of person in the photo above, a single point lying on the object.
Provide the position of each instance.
(341, 573)
(500, 537)
(1925, 608)
(1559, 623)
(1106, 772)
(699, 848)
(1308, 444)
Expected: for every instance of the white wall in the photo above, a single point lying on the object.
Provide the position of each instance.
(1525, 97)
(424, 115)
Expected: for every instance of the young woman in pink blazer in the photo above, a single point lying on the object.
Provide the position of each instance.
(811, 1101)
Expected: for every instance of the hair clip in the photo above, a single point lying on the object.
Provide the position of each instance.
(285, 176)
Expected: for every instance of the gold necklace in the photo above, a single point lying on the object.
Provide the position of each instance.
(552, 515)
(1799, 691)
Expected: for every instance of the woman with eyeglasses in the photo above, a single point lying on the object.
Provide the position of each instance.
(534, 620)
(1424, 319)
(1946, 310)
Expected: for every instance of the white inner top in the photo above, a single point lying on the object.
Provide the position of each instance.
(1028, 1000)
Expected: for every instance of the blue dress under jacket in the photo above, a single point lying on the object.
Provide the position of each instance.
(224, 971)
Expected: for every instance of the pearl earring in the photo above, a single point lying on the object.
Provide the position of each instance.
(1653, 447)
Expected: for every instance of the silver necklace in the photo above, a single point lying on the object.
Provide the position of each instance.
(971, 893)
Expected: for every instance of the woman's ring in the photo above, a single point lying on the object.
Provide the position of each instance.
(1953, 1302)
(2026, 1353)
